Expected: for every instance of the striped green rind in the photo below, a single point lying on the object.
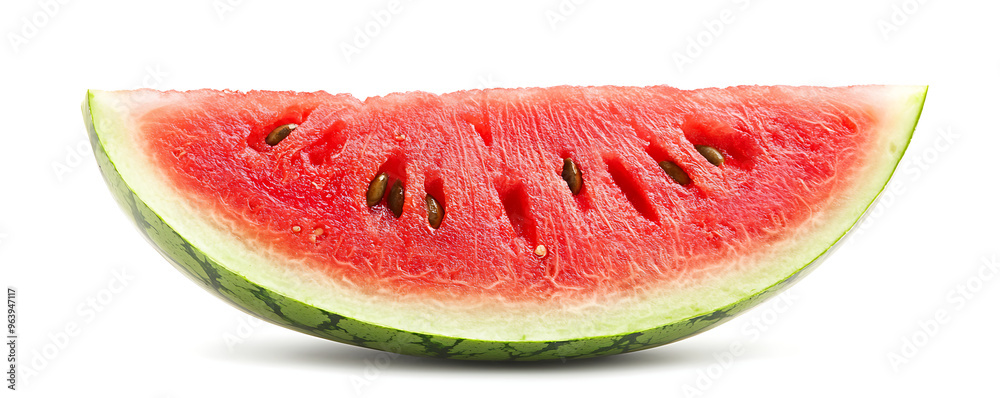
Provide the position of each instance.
(286, 311)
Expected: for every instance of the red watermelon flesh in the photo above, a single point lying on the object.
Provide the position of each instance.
(801, 165)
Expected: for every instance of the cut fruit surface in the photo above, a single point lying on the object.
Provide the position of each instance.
(413, 222)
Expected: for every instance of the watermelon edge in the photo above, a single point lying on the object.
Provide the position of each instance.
(281, 310)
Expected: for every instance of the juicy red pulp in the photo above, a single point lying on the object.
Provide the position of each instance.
(493, 160)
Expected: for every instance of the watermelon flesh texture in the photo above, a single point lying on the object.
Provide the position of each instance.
(632, 261)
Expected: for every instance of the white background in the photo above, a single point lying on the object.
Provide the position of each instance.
(63, 239)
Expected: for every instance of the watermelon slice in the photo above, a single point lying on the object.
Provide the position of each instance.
(501, 224)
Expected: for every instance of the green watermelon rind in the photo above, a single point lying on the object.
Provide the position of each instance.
(288, 312)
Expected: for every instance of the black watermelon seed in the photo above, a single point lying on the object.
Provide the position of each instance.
(279, 134)
(435, 212)
(711, 154)
(675, 172)
(396, 197)
(376, 189)
(572, 175)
